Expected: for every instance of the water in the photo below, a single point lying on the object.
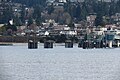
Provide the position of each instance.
(19, 63)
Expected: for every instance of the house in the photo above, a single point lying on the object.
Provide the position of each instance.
(100, 31)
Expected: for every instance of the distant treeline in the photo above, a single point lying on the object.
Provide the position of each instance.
(73, 12)
(24, 39)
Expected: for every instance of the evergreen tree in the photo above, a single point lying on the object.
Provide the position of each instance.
(78, 12)
(50, 9)
(99, 20)
(37, 14)
(84, 12)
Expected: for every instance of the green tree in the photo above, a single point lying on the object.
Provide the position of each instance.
(71, 25)
(37, 14)
(3, 30)
(12, 27)
(99, 20)
(84, 12)
(30, 21)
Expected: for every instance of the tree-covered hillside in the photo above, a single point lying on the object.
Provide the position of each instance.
(39, 10)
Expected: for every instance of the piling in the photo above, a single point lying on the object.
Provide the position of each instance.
(80, 44)
(101, 44)
(48, 44)
(32, 44)
(97, 45)
(118, 43)
(84, 45)
(110, 44)
(68, 44)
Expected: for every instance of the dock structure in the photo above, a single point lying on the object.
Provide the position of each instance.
(84, 45)
(68, 44)
(48, 44)
(31, 32)
(32, 44)
(109, 40)
(91, 41)
(88, 44)
(113, 40)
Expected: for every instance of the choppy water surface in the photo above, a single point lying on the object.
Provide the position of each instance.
(19, 63)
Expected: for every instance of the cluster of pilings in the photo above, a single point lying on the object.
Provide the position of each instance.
(87, 44)
(92, 44)
(32, 44)
(68, 44)
(48, 44)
